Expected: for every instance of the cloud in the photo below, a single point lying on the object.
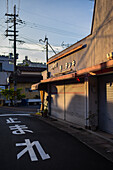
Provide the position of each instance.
(35, 52)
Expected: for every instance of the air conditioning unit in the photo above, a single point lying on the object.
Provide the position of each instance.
(110, 56)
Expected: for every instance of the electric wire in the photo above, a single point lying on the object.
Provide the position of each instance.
(54, 19)
(18, 7)
(46, 28)
(20, 48)
(53, 30)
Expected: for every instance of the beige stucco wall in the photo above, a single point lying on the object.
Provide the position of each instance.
(102, 29)
(29, 95)
(98, 44)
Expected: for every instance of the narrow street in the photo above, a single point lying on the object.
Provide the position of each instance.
(56, 85)
(28, 143)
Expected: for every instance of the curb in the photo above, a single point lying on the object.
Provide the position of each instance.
(93, 140)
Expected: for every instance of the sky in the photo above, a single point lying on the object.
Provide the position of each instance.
(63, 22)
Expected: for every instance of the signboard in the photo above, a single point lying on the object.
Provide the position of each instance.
(64, 66)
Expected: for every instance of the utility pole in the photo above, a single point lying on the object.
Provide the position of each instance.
(48, 75)
(47, 44)
(46, 41)
(15, 81)
(13, 19)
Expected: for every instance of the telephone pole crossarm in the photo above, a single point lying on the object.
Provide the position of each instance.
(11, 15)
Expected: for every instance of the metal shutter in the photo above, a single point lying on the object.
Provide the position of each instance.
(75, 103)
(57, 101)
(106, 104)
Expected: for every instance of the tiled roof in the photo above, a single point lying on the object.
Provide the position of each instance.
(30, 69)
(26, 78)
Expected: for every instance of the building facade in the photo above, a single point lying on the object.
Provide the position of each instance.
(26, 76)
(6, 68)
(80, 86)
(27, 62)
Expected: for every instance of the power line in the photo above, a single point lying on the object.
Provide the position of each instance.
(31, 41)
(52, 30)
(34, 41)
(18, 7)
(54, 19)
(28, 49)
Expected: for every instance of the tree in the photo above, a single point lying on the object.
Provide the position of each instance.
(8, 94)
(5, 93)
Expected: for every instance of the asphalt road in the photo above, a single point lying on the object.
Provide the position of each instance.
(27, 143)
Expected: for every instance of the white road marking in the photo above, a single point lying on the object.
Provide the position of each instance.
(29, 148)
(41, 151)
(2, 115)
(19, 129)
(12, 120)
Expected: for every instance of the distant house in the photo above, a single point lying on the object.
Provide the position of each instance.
(6, 68)
(27, 62)
(26, 76)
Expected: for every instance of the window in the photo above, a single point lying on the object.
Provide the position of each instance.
(0, 66)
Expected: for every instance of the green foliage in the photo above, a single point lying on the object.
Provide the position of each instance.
(5, 93)
(19, 95)
(9, 94)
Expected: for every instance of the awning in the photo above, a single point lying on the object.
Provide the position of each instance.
(43, 84)
(99, 69)
(105, 67)
(59, 78)
(39, 86)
